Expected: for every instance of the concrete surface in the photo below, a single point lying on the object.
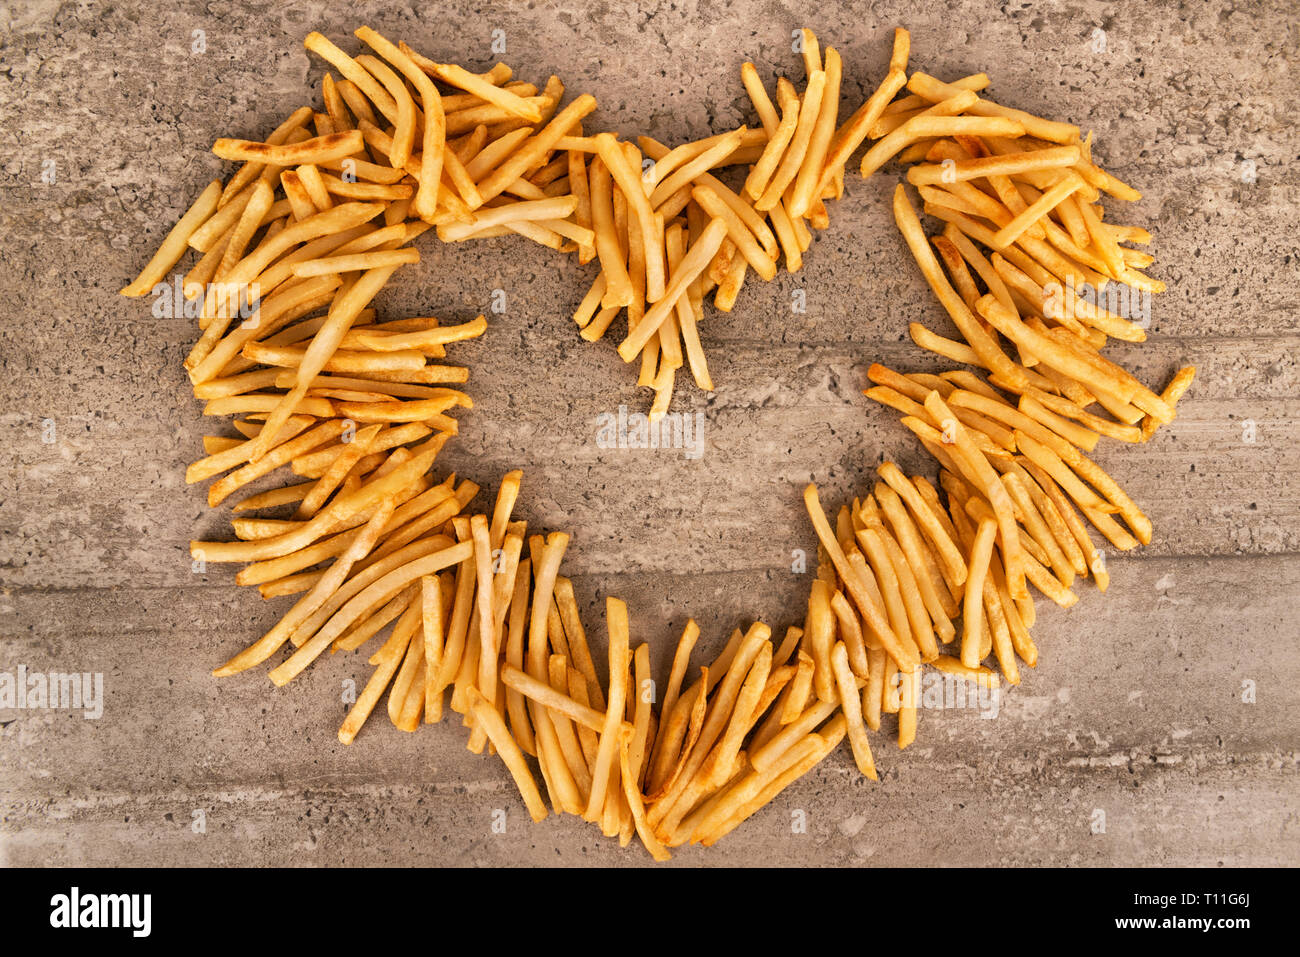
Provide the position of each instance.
(1135, 716)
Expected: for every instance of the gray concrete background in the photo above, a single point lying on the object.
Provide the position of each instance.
(1136, 706)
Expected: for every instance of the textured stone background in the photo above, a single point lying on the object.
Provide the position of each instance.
(1135, 708)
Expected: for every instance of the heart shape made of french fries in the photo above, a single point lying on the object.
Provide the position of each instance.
(291, 255)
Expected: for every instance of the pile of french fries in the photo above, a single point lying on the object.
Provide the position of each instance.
(1024, 236)
(291, 256)
(1019, 197)
(667, 241)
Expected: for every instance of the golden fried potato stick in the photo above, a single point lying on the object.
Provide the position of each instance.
(369, 697)
(874, 692)
(554, 208)
(435, 128)
(642, 710)
(512, 103)
(629, 183)
(314, 183)
(995, 165)
(494, 153)
(1063, 406)
(251, 171)
(1073, 433)
(1070, 184)
(339, 115)
(570, 748)
(408, 676)
(408, 716)
(851, 631)
(547, 554)
(317, 149)
(491, 722)
(632, 795)
(720, 665)
(686, 726)
(576, 635)
(1174, 391)
(1000, 612)
(686, 319)
(460, 626)
(851, 705)
(487, 674)
(693, 168)
(811, 50)
(516, 707)
(616, 620)
(973, 614)
(753, 84)
(358, 82)
(938, 120)
(909, 699)
(737, 231)
(174, 245)
(330, 265)
(432, 631)
(551, 699)
(618, 290)
(820, 631)
(681, 663)
(763, 753)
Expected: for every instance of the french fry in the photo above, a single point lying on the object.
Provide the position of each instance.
(173, 246)
(508, 749)
(851, 705)
(616, 620)
(319, 149)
